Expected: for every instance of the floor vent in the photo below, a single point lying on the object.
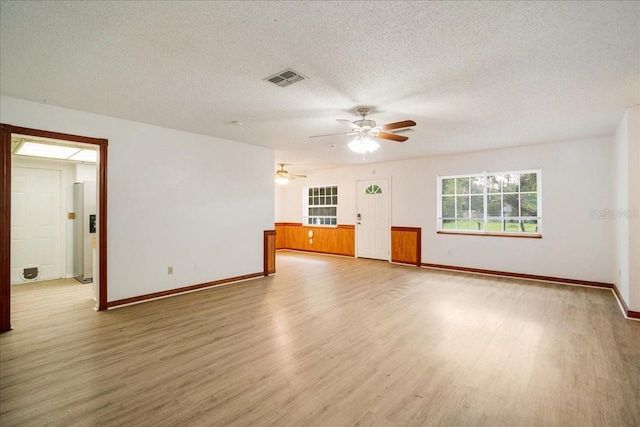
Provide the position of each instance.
(285, 78)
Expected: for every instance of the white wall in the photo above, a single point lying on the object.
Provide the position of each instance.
(626, 168)
(621, 204)
(174, 199)
(85, 172)
(634, 208)
(576, 180)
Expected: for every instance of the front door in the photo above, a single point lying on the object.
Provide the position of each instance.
(372, 222)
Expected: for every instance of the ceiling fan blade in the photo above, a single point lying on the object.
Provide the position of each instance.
(298, 176)
(392, 137)
(334, 134)
(350, 123)
(398, 125)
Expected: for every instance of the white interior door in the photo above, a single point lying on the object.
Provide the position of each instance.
(35, 222)
(373, 222)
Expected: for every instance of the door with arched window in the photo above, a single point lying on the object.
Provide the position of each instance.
(373, 220)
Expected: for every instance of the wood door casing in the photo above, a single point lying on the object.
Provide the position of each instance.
(5, 212)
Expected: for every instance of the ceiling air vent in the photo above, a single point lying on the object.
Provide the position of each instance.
(285, 78)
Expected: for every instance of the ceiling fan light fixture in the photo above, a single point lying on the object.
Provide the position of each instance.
(282, 180)
(363, 145)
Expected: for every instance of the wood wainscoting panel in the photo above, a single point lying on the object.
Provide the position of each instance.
(269, 252)
(406, 245)
(338, 240)
(282, 233)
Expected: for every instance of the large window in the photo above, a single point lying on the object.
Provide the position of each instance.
(321, 205)
(489, 202)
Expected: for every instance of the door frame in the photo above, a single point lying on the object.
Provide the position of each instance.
(388, 179)
(5, 213)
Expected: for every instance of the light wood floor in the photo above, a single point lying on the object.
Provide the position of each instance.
(327, 341)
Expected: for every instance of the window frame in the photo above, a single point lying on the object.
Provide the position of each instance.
(306, 206)
(485, 215)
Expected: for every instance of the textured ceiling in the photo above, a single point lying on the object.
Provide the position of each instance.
(473, 75)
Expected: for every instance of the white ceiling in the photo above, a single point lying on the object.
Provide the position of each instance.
(473, 75)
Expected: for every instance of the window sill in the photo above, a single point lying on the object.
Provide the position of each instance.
(490, 234)
(319, 226)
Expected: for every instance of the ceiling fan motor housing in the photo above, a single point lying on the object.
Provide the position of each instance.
(365, 124)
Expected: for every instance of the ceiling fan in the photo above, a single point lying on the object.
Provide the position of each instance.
(366, 129)
(283, 176)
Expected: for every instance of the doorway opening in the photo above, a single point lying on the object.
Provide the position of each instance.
(42, 250)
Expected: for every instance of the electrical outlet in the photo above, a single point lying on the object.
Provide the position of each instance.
(170, 270)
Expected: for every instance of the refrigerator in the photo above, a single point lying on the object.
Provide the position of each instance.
(84, 205)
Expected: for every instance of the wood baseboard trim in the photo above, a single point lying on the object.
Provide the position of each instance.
(635, 315)
(397, 261)
(316, 252)
(185, 289)
(521, 276)
(621, 301)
